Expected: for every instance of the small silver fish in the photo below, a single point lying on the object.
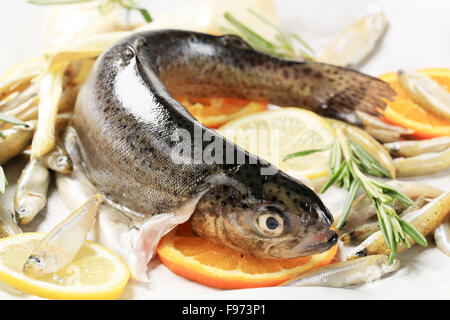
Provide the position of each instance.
(8, 225)
(426, 92)
(423, 164)
(346, 273)
(411, 148)
(376, 123)
(15, 140)
(30, 196)
(62, 243)
(58, 159)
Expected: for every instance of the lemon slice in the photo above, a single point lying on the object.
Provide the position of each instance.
(95, 272)
(274, 134)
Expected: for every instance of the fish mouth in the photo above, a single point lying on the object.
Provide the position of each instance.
(317, 243)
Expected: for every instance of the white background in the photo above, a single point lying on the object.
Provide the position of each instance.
(418, 36)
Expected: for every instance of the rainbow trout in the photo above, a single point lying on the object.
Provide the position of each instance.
(157, 164)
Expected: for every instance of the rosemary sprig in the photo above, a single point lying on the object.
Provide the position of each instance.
(283, 47)
(348, 161)
(127, 4)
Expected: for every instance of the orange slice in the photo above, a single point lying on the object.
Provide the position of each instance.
(197, 259)
(213, 112)
(404, 112)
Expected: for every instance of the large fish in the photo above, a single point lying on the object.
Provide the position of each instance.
(152, 160)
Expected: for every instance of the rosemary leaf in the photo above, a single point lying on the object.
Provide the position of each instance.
(306, 152)
(394, 193)
(144, 13)
(346, 177)
(395, 231)
(368, 160)
(302, 42)
(413, 233)
(406, 242)
(356, 184)
(388, 226)
(334, 177)
(393, 253)
(282, 37)
(335, 157)
(383, 227)
(10, 119)
(247, 32)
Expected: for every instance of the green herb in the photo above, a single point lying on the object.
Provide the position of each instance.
(348, 161)
(127, 4)
(10, 119)
(306, 152)
(133, 5)
(283, 47)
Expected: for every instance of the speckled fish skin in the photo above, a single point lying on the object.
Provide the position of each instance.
(125, 117)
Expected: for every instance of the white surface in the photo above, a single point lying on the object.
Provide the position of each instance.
(417, 37)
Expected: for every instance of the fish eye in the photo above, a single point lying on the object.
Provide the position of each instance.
(34, 259)
(61, 160)
(271, 222)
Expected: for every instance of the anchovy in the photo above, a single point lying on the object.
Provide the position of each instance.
(57, 159)
(152, 160)
(345, 273)
(30, 195)
(15, 140)
(61, 244)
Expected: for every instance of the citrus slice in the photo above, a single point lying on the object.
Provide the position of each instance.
(197, 259)
(274, 134)
(95, 272)
(214, 112)
(404, 112)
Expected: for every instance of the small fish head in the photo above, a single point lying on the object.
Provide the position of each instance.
(62, 163)
(27, 208)
(37, 264)
(273, 217)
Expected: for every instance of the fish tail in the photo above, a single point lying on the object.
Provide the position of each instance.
(341, 91)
